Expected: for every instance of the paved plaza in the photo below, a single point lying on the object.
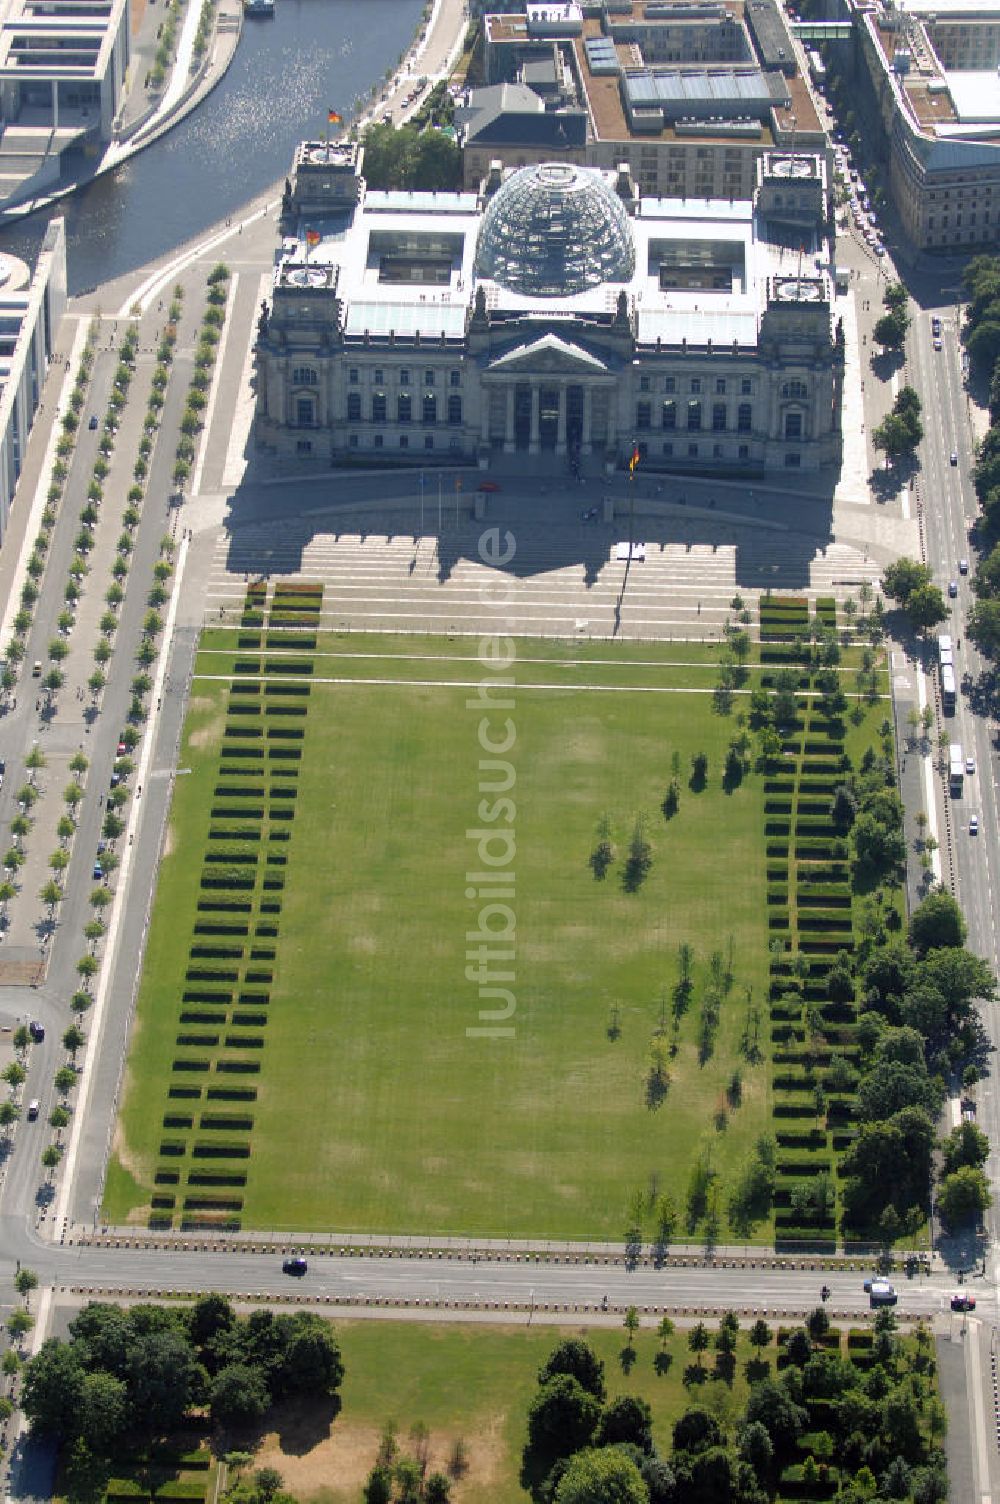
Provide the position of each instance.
(382, 573)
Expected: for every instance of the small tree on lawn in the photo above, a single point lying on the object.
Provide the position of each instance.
(698, 1340)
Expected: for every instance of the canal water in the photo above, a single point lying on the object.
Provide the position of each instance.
(287, 73)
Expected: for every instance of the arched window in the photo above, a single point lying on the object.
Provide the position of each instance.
(430, 408)
(794, 389)
(378, 407)
(454, 408)
(304, 376)
(354, 407)
(404, 408)
(744, 418)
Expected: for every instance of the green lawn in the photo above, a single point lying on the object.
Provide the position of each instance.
(376, 1109)
(473, 1382)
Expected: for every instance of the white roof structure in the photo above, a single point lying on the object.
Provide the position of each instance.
(697, 270)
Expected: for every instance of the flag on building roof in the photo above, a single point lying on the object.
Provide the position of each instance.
(313, 237)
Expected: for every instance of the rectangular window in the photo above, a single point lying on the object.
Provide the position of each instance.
(642, 415)
(669, 383)
(404, 441)
(304, 412)
(378, 376)
(669, 418)
(793, 425)
(744, 419)
(644, 383)
(352, 441)
(719, 417)
(744, 451)
(404, 376)
(378, 407)
(354, 376)
(378, 441)
(717, 451)
(428, 378)
(455, 378)
(304, 446)
(694, 416)
(696, 383)
(454, 408)
(428, 441)
(720, 386)
(429, 410)
(668, 450)
(404, 408)
(745, 387)
(692, 451)
(354, 407)
(793, 461)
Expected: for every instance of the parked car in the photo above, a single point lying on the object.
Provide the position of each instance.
(93, 422)
(122, 749)
(937, 344)
(296, 1266)
(963, 566)
(36, 1030)
(34, 1107)
(952, 588)
(963, 1301)
(98, 872)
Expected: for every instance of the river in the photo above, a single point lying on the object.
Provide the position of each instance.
(285, 76)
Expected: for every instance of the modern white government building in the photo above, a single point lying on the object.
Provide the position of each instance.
(31, 307)
(554, 310)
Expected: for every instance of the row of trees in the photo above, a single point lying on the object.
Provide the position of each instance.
(890, 329)
(982, 340)
(408, 157)
(132, 1376)
(900, 431)
(917, 1026)
(882, 1423)
(909, 584)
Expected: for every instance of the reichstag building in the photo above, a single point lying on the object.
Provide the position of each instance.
(555, 310)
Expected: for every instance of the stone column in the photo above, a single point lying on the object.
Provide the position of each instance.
(508, 437)
(611, 452)
(485, 421)
(588, 404)
(536, 413)
(561, 420)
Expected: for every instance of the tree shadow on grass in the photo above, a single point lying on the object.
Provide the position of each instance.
(302, 1424)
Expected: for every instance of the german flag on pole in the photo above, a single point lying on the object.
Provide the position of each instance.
(334, 117)
(313, 237)
(634, 460)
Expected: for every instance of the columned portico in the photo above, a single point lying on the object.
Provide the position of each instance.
(588, 419)
(534, 442)
(561, 420)
(508, 436)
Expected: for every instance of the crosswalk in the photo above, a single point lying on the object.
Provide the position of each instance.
(563, 581)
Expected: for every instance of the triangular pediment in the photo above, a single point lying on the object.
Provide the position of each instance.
(550, 353)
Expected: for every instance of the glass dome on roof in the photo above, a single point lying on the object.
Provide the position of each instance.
(551, 230)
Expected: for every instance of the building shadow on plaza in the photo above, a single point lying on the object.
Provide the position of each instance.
(777, 535)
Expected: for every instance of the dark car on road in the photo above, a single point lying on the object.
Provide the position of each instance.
(36, 1030)
(296, 1266)
(93, 422)
(963, 1301)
